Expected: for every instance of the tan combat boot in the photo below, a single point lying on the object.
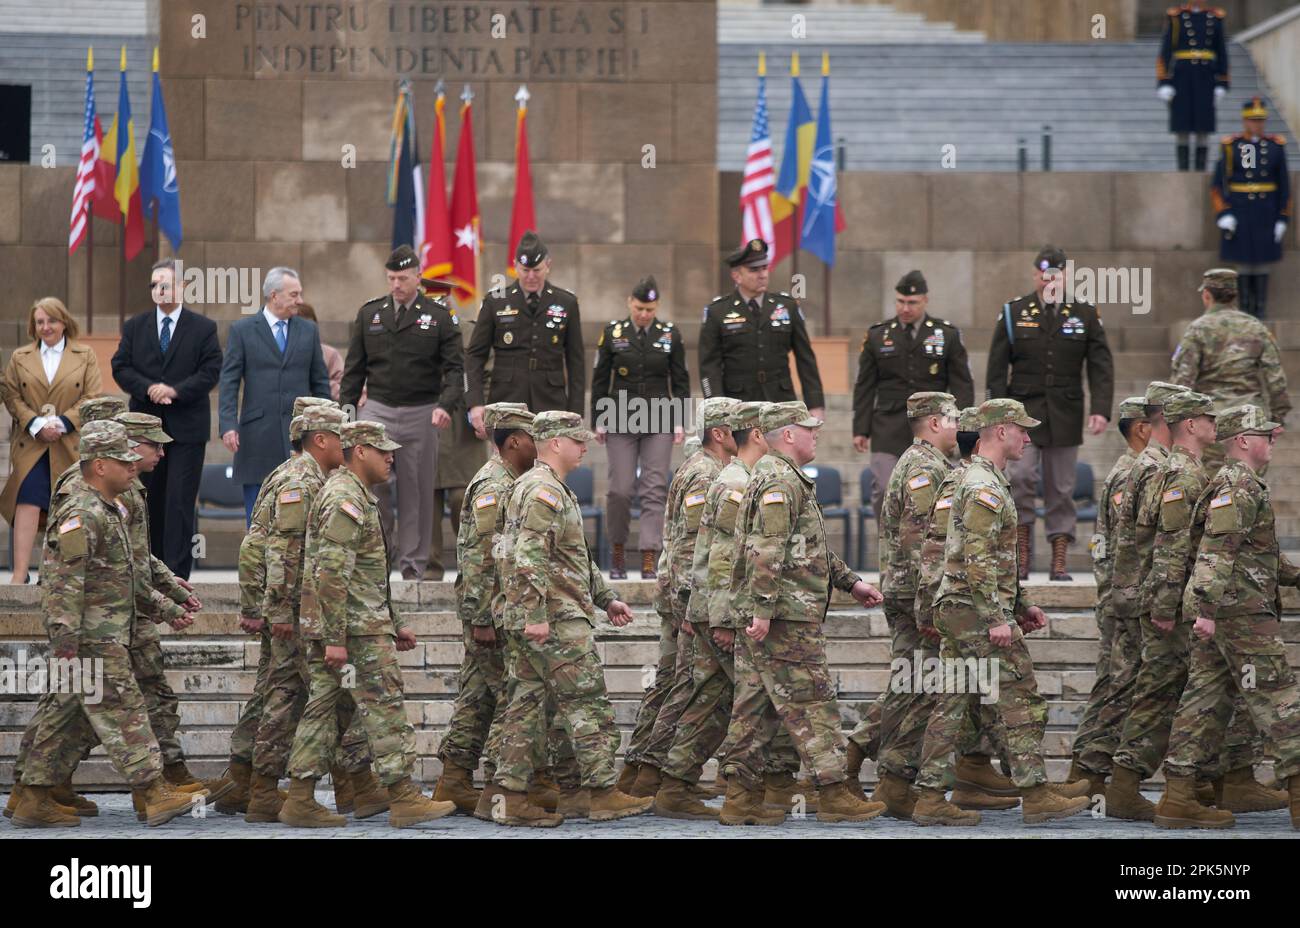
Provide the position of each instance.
(543, 795)
(933, 809)
(980, 801)
(235, 800)
(369, 796)
(1024, 549)
(1123, 799)
(1079, 788)
(344, 794)
(65, 795)
(264, 801)
(647, 782)
(487, 801)
(574, 804)
(1179, 808)
(301, 810)
(675, 800)
(853, 768)
(1208, 792)
(162, 802)
(715, 790)
(608, 804)
(1241, 792)
(516, 810)
(36, 809)
(142, 811)
(408, 806)
(781, 790)
(896, 794)
(975, 771)
(838, 804)
(457, 785)
(180, 779)
(627, 777)
(1096, 781)
(16, 797)
(744, 806)
(1042, 804)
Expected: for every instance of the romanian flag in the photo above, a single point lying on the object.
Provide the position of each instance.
(119, 150)
(796, 166)
(522, 215)
(464, 210)
(435, 257)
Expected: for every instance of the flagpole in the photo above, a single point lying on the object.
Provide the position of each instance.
(798, 207)
(826, 268)
(155, 231)
(90, 272)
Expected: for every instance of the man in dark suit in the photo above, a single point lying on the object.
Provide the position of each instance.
(278, 357)
(168, 361)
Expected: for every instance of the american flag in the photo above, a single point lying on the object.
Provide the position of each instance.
(759, 180)
(84, 190)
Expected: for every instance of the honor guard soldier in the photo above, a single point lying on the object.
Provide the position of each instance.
(748, 335)
(533, 334)
(1040, 347)
(911, 353)
(639, 360)
(407, 354)
(1251, 195)
(1192, 74)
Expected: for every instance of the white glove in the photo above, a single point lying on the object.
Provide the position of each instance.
(1227, 222)
(1220, 92)
(1165, 92)
(1279, 230)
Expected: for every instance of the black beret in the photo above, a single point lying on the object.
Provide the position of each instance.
(646, 290)
(911, 283)
(402, 258)
(531, 251)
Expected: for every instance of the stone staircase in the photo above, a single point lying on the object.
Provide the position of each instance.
(834, 24)
(212, 667)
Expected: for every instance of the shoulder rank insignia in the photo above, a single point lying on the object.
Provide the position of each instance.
(776, 496)
(486, 500)
(351, 509)
(548, 498)
(291, 496)
(989, 500)
(70, 525)
(1172, 496)
(917, 482)
(1220, 501)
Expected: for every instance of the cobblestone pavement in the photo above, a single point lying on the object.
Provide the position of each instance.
(116, 820)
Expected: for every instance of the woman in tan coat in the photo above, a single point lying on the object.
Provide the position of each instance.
(43, 383)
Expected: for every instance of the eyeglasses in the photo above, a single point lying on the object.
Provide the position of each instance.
(154, 285)
(1271, 436)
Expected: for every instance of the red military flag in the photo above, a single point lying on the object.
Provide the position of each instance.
(464, 209)
(435, 257)
(522, 216)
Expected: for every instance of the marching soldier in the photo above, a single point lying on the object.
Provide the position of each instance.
(552, 588)
(982, 612)
(1192, 74)
(1251, 196)
(1040, 347)
(911, 353)
(533, 335)
(481, 693)
(748, 335)
(1234, 599)
(640, 367)
(782, 581)
(348, 618)
(407, 354)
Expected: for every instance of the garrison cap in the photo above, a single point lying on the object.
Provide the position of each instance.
(1133, 407)
(367, 432)
(746, 416)
(779, 415)
(531, 251)
(140, 426)
(1003, 411)
(646, 290)
(95, 408)
(1224, 277)
(715, 412)
(751, 254)
(105, 438)
(301, 403)
(1159, 392)
(1049, 256)
(559, 423)
(1238, 419)
(403, 258)
(911, 283)
(1254, 108)
(507, 416)
(968, 419)
(929, 403)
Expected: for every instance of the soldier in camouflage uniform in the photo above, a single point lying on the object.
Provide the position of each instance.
(1134, 531)
(353, 633)
(1235, 599)
(781, 582)
(552, 587)
(481, 693)
(662, 704)
(1136, 430)
(91, 598)
(982, 613)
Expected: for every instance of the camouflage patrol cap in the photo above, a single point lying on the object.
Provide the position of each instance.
(559, 423)
(746, 416)
(320, 418)
(1159, 392)
(507, 416)
(367, 432)
(1188, 405)
(716, 411)
(1239, 419)
(779, 415)
(140, 426)
(302, 402)
(1224, 278)
(295, 428)
(95, 408)
(968, 419)
(1003, 412)
(105, 438)
(931, 403)
(1133, 407)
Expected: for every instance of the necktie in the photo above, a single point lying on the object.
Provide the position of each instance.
(279, 335)
(533, 300)
(753, 307)
(165, 339)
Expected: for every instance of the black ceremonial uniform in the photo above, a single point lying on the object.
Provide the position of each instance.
(744, 354)
(650, 366)
(536, 352)
(414, 363)
(1259, 196)
(1193, 60)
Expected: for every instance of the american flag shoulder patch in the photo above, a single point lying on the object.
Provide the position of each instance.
(945, 503)
(548, 498)
(486, 500)
(989, 500)
(1220, 501)
(917, 482)
(1117, 498)
(775, 496)
(1172, 496)
(695, 499)
(291, 496)
(351, 509)
(70, 525)
(735, 496)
